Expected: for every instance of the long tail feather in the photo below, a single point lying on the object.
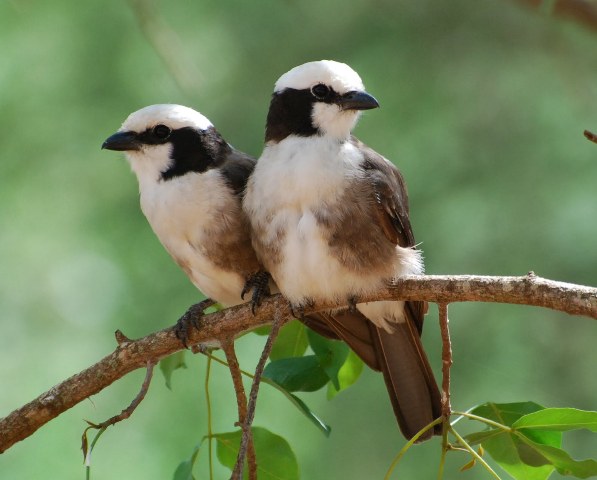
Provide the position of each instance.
(409, 379)
(399, 355)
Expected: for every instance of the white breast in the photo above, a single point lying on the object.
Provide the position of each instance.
(292, 180)
(181, 212)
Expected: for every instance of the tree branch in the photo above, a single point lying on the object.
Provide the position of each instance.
(446, 360)
(131, 355)
(591, 136)
(246, 427)
(582, 11)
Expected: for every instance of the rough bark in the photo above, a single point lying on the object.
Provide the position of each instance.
(131, 355)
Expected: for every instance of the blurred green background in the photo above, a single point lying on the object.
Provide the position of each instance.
(483, 109)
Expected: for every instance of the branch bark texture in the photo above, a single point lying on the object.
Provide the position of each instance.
(131, 355)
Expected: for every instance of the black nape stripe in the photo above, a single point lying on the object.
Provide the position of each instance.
(195, 151)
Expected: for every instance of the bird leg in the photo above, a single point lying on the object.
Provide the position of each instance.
(298, 309)
(259, 283)
(191, 319)
(352, 304)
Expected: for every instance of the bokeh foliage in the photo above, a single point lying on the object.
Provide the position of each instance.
(483, 108)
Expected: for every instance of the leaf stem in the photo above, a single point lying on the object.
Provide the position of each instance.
(492, 423)
(222, 362)
(445, 447)
(409, 444)
(472, 451)
(88, 456)
(208, 406)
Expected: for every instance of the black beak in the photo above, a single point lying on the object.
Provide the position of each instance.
(122, 142)
(356, 100)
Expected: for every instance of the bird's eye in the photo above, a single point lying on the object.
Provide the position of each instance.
(320, 91)
(161, 131)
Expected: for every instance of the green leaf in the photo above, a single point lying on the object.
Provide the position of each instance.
(562, 461)
(507, 448)
(558, 419)
(291, 341)
(347, 375)
(330, 353)
(216, 307)
(480, 437)
(302, 406)
(184, 471)
(509, 451)
(298, 374)
(262, 331)
(275, 458)
(171, 363)
(506, 413)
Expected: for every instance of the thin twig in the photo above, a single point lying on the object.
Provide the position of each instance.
(472, 451)
(241, 400)
(279, 320)
(128, 411)
(446, 360)
(591, 136)
(446, 365)
(124, 414)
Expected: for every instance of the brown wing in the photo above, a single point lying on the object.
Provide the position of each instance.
(399, 355)
(390, 200)
(408, 376)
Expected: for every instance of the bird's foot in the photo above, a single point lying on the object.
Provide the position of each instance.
(259, 283)
(352, 304)
(298, 309)
(191, 319)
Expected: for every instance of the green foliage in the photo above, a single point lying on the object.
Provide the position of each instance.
(525, 439)
(171, 363)
(310, 372)
(302, 407)
(331, 355)
(297, 374)
(348, 374)
(483, 107)
(333, 365)
(291, 341)
(184, 471)
(558, 419)
(275, 458)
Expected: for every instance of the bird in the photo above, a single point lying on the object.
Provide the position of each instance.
(330, 222)
(191, 182)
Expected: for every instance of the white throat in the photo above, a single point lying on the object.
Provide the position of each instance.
(149, 163)
(334, 122)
